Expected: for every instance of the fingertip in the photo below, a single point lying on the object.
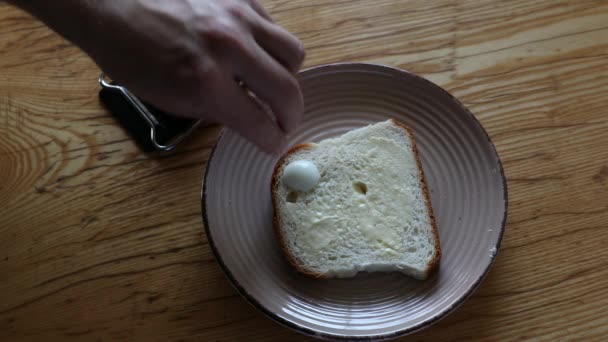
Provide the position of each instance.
(284, 148)
(301, 56)
(274, 147)
(291, 119)
(297, 54)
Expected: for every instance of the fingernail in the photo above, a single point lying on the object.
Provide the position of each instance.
(274, 147)
(281, 146)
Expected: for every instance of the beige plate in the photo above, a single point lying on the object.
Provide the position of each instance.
(468, 194)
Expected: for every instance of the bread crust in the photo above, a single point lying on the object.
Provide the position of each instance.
(427, 199)
(276, 220)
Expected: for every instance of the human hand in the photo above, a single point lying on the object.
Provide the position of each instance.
(184, 56)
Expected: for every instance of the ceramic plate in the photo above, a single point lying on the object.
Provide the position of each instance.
(468, 194)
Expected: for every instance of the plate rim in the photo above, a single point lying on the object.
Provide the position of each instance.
(378, 337)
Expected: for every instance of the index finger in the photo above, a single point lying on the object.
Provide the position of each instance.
(248, 118)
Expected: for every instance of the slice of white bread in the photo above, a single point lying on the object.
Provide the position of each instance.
(370, 210)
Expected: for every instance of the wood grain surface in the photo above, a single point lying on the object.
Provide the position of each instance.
(100, 242)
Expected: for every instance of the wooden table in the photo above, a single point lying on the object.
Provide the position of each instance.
(101, 242)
